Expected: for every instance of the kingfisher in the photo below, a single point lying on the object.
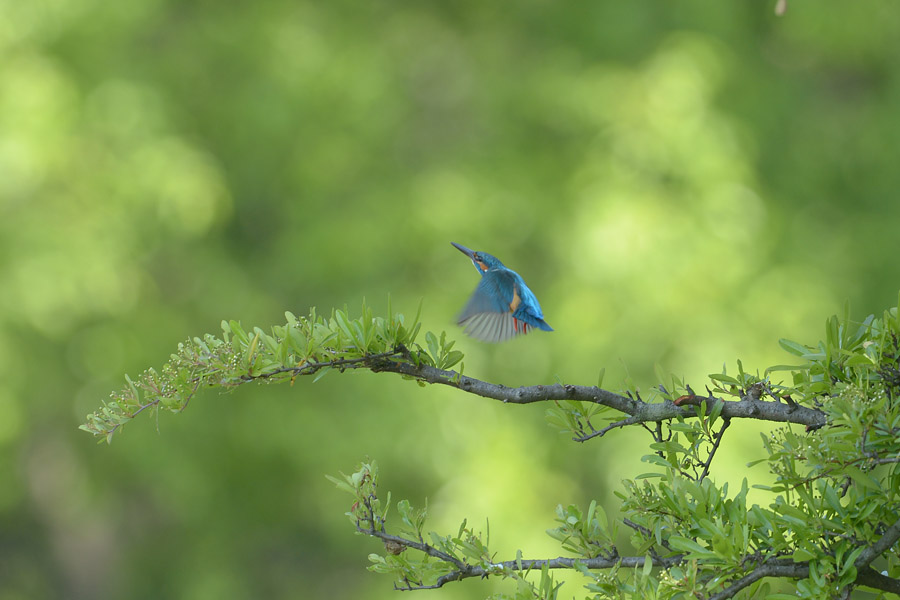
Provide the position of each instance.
(502, 306)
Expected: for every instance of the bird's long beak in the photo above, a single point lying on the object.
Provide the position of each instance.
(464, 250)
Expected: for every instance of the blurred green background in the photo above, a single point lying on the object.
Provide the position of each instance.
(680, 184)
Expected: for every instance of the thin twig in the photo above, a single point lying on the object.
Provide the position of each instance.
(627, 562)
(601, 432)
(725, 423)
(647, 533)
(775, 567)
(420, 546)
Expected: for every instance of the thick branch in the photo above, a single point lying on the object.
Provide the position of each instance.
(774, 568)
(168, 390)
(640, 412)
(890, 537)
(871, 578)
(800, 570)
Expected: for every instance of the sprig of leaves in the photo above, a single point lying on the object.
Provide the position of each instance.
(436, 558)
(309, 345)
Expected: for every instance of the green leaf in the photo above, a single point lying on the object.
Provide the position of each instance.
(831, 498)
(433, 348)
(656, 460)
(321, 373)
(648, 565)
(777, 368)
(802, 555)
(793, 347)
(238, 332)
(860, 360)
(862, 478)
(715, 411)
(341, 484)
(722, 378)
(452, 359)
(691, 547)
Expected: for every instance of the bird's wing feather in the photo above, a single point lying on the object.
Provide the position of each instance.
(487, 315)
(493, 294)
(493, 326)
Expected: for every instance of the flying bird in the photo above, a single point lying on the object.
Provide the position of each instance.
(502, 306)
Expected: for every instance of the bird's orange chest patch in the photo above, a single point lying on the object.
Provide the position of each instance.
(516, 300)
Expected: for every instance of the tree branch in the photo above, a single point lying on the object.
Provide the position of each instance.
(773, 568)
(632, 420)
(640, 412)
(725, 424)
(380, 346)
(778, 567)
(647, 534)
(304, 346)
(420, 546)
(786, 568)
(628, 562)
(890, 537)
(869, 577)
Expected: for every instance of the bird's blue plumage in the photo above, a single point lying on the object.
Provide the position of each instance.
(502, 306)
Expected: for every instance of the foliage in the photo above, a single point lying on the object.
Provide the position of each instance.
(467, 551)
(831, 513)
(310, 345)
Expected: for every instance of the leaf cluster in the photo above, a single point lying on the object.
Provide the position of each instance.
(439, 558)
(837, 490)
(830, 521)
(307, 345)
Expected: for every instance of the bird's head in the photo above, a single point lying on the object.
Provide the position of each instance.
(482, 260)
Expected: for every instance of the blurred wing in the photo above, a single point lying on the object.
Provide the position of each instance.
(486, 316)
(494, 327)
(489, 296)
